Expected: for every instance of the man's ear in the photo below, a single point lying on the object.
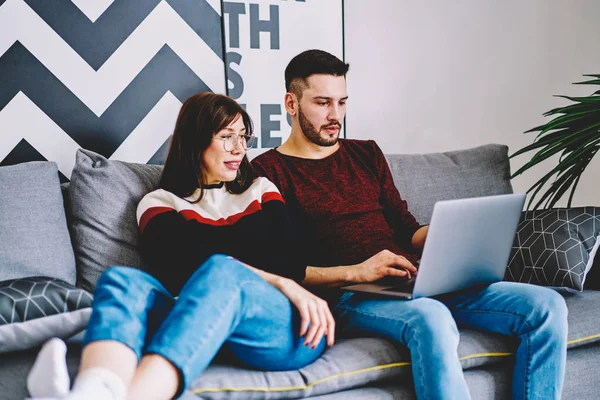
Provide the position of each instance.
(290, 102)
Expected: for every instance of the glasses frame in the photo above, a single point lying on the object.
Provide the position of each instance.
(248, 141)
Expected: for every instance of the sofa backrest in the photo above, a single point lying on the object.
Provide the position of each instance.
(423, 179)
(103, 196)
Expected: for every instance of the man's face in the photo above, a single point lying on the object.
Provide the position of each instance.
(322, 109)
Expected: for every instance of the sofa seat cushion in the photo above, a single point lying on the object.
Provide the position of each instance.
(350, 363)
(357, 362)
(584, 318)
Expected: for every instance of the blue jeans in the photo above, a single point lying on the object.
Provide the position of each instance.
(223, 303)
(428, 327)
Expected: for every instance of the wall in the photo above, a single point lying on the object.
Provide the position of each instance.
(110, 75)
(437, 75)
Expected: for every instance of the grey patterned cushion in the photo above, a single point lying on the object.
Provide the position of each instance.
(555, 247)
(35, 309)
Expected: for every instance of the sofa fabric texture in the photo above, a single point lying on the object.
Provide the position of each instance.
(34, 239)
(103, 197)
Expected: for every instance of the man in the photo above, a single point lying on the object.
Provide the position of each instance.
(354, 227)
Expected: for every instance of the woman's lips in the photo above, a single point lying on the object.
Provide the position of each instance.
(234, 165)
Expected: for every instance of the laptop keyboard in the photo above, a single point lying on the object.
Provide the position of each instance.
(398, 284)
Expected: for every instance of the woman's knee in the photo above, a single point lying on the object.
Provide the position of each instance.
(220, 277)
(221, 268)
(121, 276)
(221, 262)
(126, 283)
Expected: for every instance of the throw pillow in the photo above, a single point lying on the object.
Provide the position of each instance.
(34, 238)
(424, 179)
(555, 247)
(36, 309)
(102, 201)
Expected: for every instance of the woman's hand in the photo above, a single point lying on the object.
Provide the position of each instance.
(316, 318)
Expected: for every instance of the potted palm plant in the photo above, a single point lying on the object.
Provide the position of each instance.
(574, 133)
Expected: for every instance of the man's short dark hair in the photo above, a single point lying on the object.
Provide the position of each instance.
(308, 63)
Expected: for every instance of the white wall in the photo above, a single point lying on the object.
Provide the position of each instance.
(437, 75)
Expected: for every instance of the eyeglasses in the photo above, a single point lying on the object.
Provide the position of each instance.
(230, 141)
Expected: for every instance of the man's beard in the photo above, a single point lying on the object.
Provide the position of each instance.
(311, 133)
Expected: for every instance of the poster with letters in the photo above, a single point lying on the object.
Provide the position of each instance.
(261, 37)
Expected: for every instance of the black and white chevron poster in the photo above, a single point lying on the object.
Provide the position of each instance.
(110, 75)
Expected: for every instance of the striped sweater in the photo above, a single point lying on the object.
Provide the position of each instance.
(177, 236)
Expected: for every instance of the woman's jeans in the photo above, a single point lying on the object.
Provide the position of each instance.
(223, 303)
(428, 327)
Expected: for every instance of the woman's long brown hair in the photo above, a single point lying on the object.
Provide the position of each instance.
(200, 118)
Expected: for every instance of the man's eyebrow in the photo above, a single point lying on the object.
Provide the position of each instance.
(328, 98)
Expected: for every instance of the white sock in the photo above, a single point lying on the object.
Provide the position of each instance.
(97, 383)
(49, 376)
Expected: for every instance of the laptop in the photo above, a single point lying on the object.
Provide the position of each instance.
(468, 244)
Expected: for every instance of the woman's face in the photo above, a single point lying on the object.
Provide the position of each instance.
(222, 165)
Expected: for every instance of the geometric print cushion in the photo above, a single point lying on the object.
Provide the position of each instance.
(555, 247)
(35, 309)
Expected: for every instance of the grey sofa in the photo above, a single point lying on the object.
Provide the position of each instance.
(360, 368)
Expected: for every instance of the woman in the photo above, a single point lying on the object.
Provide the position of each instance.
(218, 238)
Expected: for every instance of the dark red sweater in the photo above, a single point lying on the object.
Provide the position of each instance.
(345, 206)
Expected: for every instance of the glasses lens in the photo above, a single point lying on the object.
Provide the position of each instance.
(229, 143)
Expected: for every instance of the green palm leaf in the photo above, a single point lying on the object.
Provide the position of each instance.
(574, 135)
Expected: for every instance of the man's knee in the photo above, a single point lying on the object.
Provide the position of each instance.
(432, 319)
(544, 307)
(553, 308)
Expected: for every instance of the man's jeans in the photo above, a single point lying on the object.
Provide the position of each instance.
(428, 327)
(223, 303)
